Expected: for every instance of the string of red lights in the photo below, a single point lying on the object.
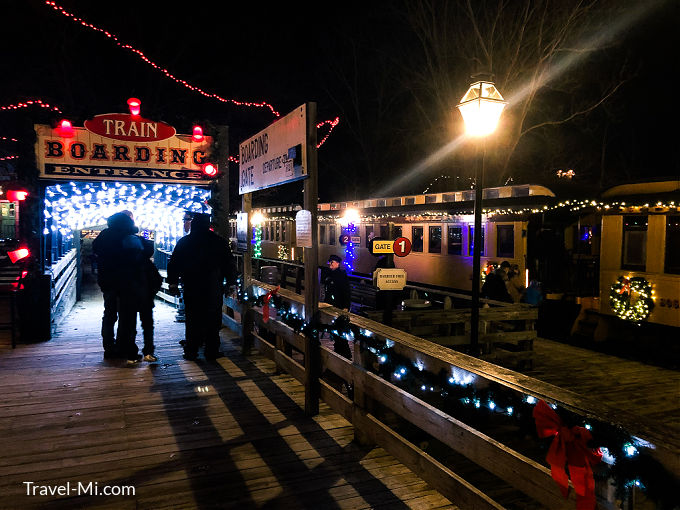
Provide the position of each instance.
(194, 88)
(148, 61)
(26, 104)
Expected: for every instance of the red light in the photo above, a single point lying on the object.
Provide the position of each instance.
(198, 134)
(19, 254)
(210, 170)
(135, 105)
(16, 196)
(65, 128)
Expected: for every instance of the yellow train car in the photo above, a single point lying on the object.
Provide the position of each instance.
(640, 252)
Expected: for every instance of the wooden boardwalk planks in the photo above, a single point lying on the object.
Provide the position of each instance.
(185, 435)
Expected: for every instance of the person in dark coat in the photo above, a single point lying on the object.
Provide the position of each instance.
(336, 284)
(337, 293)
(119, 254)
(152, 284)
(202, 259)
(495, 285)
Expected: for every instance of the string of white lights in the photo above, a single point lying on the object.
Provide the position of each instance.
(156, 207)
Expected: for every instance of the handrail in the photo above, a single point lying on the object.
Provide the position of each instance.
(485, 451)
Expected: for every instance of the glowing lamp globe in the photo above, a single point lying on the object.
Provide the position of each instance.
(257, 219)
(135, 105)
(210, 170)
(481, 108)
(351, 217)
(17, 196)
(19, 254)
(65, 128)
(197, 135)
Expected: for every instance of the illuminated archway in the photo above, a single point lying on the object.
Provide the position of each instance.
(156, 207)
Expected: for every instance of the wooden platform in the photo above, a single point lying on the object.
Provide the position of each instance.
(185, 435)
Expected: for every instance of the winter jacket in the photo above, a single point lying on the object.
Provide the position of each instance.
(202, 260)
(116, 248)
(336, 288)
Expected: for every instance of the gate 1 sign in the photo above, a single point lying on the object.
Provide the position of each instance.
(276, 155)
(389, 279)
(402, 247)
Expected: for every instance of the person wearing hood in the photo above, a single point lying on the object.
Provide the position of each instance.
(120, 254)
(202, 260)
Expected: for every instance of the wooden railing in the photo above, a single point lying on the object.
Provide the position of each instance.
(63, 277)
(305, 360)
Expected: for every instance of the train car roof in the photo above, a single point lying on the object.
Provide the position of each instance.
(504, 196)
(643, 188)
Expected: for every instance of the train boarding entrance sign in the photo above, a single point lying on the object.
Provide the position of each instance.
(121, 147)
(389, 279)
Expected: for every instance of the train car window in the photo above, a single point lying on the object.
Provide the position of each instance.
(435, 240)
(384, 232)
(410, 200)
(322, 234)
(417, 239)
(455, 240)
(397, 232)
(449, 197)
(584, 243)
(430, 199)
(277, 225)
(370, 234)
(471, 241)
(634, 248)
(396, 201)
(672, 245)
(505, 241)
(331, 234)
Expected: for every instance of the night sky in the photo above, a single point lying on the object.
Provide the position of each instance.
(362, 62)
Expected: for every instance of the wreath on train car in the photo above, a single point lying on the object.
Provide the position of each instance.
(631, 298)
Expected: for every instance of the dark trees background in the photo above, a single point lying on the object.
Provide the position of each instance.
(589, 82)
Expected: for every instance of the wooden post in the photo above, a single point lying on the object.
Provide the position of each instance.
(312, 355)
(247, 319)
(221, 186)
(361, 401)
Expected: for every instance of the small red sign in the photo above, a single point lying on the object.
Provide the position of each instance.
(129, 128)
(401, 247)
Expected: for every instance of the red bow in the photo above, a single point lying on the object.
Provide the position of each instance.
(569, 447)
(265, 305)
(625, 286)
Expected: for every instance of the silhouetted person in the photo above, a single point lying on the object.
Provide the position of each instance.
(120, 254)
(495, 285)
(202, 259)
(152, 284)
(337, 293)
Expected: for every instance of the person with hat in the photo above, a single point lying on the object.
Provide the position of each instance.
(202, 259)
(336, 285)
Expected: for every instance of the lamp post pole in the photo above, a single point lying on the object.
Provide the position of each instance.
(477, 251)
(481, 108)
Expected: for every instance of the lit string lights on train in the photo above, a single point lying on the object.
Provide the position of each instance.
(156, 207)
(184, 83)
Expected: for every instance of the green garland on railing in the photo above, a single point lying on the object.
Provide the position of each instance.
(626, 459)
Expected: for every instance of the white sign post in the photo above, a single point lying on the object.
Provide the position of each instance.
(276, 155)
(389, 279)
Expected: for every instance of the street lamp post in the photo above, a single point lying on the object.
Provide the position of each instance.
(481, 108)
